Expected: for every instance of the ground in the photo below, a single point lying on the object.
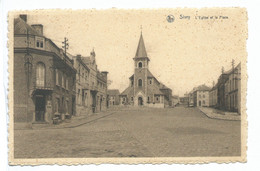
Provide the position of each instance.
(170, 132)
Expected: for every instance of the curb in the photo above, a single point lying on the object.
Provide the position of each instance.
(218, 116)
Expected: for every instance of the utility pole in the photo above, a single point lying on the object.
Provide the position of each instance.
(65, 45)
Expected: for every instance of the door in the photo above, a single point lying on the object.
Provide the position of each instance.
(140, 101)
(39, 108)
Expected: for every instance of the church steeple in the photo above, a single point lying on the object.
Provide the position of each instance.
(141, 51)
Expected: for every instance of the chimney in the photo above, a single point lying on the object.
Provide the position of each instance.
(23, 17)
(38, 28)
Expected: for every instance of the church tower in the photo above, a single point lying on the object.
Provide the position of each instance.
(141, 63)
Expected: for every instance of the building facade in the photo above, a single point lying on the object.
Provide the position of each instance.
(96, 94)
(113, 97)
(44, 76)
(233, 90)
(213, 97)
(144, 89)
(82, 86)
(201, 96)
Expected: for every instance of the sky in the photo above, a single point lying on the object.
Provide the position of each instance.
(183, 54)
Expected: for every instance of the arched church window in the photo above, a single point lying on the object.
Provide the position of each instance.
(40, 74)
(140, 83)
(140, 65)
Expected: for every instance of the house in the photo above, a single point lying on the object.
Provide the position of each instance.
(201, 96)
(82, 86)
(97, 83)
(144, 89)
(44, 77)
(113, 97)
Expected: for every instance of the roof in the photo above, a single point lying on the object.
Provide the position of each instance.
(21, 27)
(113, 92)
(128, 90)
(202, 88)
(155, 90)
(86, 60)
(141, 51)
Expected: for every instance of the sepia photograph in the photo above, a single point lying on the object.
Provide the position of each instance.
(127, 86)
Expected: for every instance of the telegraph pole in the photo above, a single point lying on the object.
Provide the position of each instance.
(65, 45)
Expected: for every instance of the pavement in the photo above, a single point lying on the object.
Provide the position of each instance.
(143, 132)
(218, 114)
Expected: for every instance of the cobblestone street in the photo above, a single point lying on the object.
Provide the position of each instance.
(145, 132)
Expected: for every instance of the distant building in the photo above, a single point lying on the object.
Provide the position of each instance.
(175, 100)
(233, 90)
(191, 98)
(113, 97)
(201, 96)
(184, 100)
(44, 76)
(213, 96)
(144, 89)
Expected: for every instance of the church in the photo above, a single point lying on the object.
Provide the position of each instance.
(144, 89)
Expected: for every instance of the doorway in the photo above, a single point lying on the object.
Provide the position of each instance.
(39, 108)
(140, 101)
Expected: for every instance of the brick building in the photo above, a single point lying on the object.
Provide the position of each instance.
(44, 77)
(144, 89)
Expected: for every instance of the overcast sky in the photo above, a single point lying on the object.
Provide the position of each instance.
(183, 54)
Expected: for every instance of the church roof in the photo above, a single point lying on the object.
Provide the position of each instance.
(154, 90)
(128, 90)
(141, 51)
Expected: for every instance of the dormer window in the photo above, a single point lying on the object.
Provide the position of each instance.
(140, 65)
(39, 42)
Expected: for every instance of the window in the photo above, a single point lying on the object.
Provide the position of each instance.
(140, 83)
(40, 75)
(203, 102)
(57, 104)
(132, 83)
(157, 99)
(148, 99)
(57, 76)
(132, 99)
(67, 106)
(39, 42)
(140, 65)
(150, 81)
(67, 84)
(62, 80)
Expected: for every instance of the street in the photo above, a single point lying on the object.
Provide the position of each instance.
(137, 132)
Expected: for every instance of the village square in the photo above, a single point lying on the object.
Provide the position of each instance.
(64, 106)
